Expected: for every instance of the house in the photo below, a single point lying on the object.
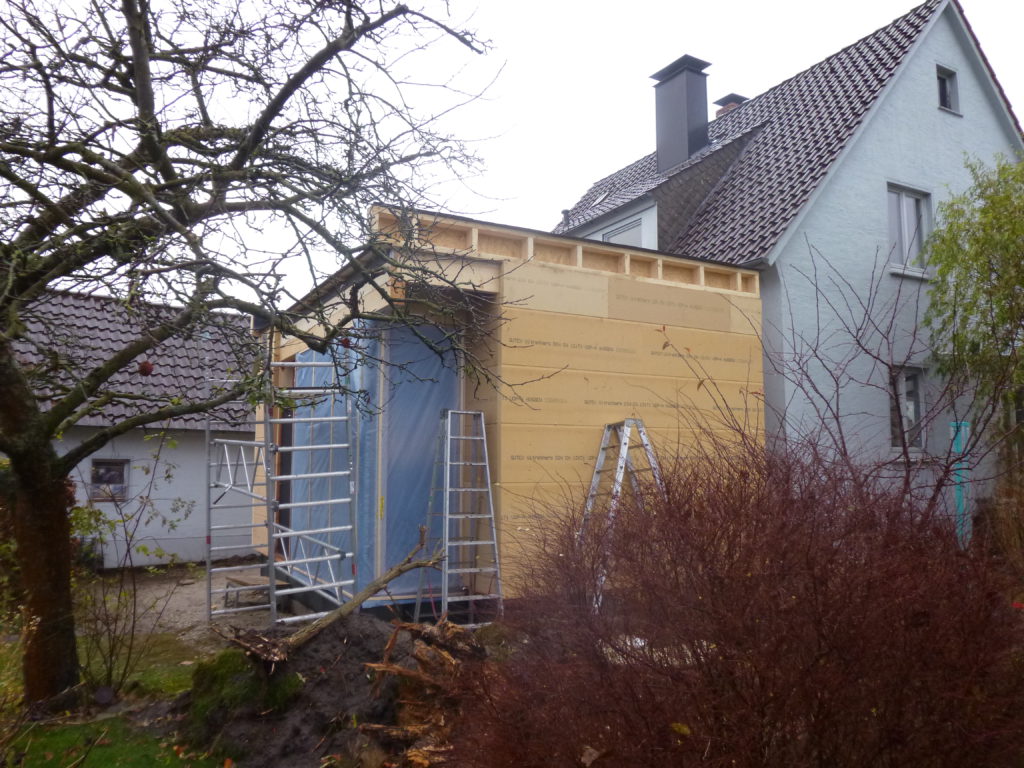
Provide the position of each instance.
(575, 334)
(150, 484)
(827, 184)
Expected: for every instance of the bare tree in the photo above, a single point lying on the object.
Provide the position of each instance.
(851, 394)
(198, 154)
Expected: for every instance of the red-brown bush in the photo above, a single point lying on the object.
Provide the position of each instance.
(764, 610)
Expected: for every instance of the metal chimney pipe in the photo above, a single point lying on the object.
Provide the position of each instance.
(681, 110)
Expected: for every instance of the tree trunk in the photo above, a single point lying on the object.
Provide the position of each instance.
(42, 531)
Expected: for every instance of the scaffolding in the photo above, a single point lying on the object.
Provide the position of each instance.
(305, 545)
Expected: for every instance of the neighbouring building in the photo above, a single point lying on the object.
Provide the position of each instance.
(827, 184)
(150, 483)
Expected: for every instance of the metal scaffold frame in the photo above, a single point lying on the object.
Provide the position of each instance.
(256, 476)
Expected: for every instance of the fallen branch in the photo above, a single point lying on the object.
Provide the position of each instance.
(310, 631)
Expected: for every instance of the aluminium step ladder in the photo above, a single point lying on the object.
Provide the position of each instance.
(461, 526)
(628, 442)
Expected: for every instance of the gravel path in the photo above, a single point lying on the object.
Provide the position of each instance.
(174, 600)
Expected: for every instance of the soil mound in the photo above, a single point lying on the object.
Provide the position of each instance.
(307, 710)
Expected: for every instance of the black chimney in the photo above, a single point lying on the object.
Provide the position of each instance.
(681, 105)
(728, 103)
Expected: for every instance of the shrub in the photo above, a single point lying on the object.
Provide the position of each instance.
(764, 609)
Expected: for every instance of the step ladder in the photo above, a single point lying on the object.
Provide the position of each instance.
(630, 446)
(461, 526)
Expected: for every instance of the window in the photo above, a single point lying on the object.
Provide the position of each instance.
(629, 233)
(108, 480)
(906, 407)
(908, 220)
(948, 97)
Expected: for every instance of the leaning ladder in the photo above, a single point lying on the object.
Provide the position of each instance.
(463, 529)
(629, 443)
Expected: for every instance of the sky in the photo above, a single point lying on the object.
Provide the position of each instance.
(574, 100)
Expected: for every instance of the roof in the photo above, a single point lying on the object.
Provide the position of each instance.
(70, 333)
(792, 132)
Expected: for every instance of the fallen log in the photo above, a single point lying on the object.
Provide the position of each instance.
(274, 650)
(310, 631)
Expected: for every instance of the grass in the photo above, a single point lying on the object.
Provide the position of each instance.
(108, 743)
(111, 742)
(164, 668)
(10, 667)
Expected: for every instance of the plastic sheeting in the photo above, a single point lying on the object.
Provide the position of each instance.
(422, 388)
(330, 427)
(393, 428)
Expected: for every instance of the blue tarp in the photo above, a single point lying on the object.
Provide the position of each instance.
(411, 416)
(394, 427)
(325, 433)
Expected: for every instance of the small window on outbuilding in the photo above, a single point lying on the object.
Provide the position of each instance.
(108, 480)
(948, 96)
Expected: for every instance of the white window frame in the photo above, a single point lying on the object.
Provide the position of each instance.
(103, 487)
(628, 226)
(909, 212)
(948, 92)
(906, 408)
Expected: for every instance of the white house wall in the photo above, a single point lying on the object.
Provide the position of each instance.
(642, 209)
(175, 521)
(841, 246)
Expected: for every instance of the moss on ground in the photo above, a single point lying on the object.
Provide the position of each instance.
(228, 684)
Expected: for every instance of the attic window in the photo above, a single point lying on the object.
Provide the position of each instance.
(948, 97)
(599, 199)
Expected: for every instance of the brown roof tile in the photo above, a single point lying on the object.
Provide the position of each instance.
(70, 333)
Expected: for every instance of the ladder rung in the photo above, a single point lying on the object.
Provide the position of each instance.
(468, 464)
(467, 542)
(470, 598)
(240, 609)
(477, 516)
(487, 569)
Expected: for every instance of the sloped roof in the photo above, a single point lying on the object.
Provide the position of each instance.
(70, 333)
(801, 127)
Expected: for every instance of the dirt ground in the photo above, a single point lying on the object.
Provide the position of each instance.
(175, 601)
(323, 723)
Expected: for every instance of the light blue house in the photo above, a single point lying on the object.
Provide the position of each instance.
(828, 183)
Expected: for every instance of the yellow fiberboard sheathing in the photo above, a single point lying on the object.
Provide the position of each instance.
(660, 304)
(589, 334)
(556, 340)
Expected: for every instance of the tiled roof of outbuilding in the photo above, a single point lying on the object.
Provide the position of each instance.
(803, 123)
(70, 333)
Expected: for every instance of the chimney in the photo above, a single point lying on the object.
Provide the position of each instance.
(728, 103)
(681, 110)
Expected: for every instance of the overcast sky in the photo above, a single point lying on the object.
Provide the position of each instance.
(575, 101)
